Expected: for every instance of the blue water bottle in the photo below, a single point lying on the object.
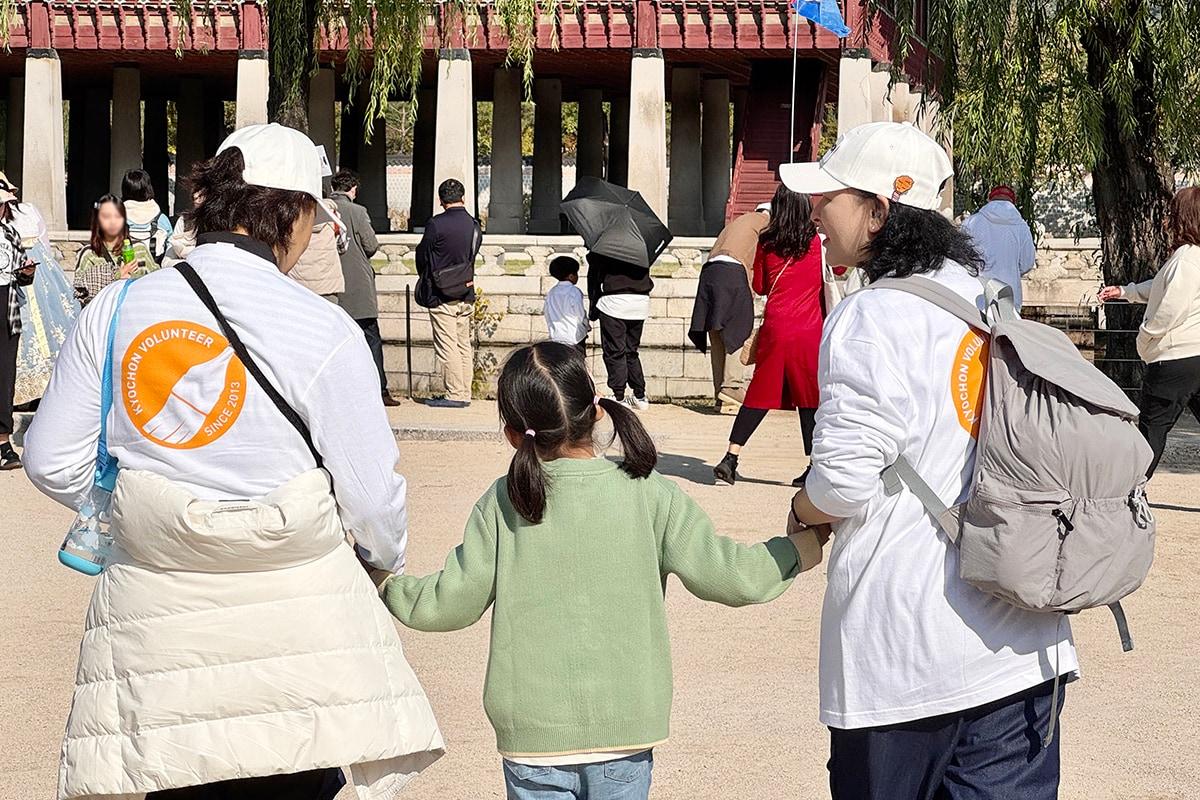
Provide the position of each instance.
(89, 542)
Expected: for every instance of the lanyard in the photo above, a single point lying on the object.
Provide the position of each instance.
(106, 465)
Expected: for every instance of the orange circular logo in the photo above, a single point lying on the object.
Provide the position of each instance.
(181, 384)
(901, 185)
(967, 380)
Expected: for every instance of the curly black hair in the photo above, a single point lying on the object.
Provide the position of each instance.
(266, 214)
(915, 241)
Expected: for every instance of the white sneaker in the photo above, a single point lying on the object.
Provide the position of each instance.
(636, 403)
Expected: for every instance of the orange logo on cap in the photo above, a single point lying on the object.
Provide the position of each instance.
(967, 381)
(181, 384)
(900, 186)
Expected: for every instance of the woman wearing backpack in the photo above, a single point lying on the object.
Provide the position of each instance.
(148, 224)
(1169, 337)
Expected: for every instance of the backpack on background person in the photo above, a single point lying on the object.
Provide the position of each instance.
(1056, 517)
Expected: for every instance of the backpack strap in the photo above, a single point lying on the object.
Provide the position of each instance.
(902, 474)
(998, 299)
(943, 297)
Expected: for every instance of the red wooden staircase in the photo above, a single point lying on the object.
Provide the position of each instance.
(763, 145)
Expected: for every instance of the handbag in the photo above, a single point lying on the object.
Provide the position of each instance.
(456, 281)
(749, 354)
(235, 342)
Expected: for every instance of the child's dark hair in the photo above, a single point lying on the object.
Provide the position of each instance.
(546, 394)
(137, 186)
(563, 267)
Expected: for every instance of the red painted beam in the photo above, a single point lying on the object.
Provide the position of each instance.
(253, 27)
(39, 25)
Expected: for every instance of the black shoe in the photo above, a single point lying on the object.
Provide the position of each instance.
(390, 401)
(9, 458)
(726, 470)
(799, 482)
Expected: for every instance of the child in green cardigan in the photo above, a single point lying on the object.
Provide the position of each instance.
(573, 552)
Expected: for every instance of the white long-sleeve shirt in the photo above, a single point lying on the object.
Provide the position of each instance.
(186, 408)
(903, 637)
(566, 314)
(1171, 327)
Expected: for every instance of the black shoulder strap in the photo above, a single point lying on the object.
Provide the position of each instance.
(235, 342)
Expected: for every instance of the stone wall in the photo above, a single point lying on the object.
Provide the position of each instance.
(512, 279)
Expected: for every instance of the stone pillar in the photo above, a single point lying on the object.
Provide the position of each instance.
(547, 156)
(648, 128)
(189, 137)
(717, 156)
(854, 93)
(253, 83)
(154, 148)
(454, 152)
(79, 208)
(424, 139)
(97, 146)
(322, 113)
(901, 103)
(589, 154)
(506, 210)
(618, 141)
(14, 140)
(685, 202)
(43, 161)
(372, 171)
(125, 151)
(881, 100)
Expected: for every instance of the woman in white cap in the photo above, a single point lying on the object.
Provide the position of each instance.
(929, 686)
(235, 646)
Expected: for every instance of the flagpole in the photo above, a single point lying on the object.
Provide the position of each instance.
(795, 8)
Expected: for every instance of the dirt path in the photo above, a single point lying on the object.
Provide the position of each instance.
(744, 722)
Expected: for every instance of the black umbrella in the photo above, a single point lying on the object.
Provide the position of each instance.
(615, 222)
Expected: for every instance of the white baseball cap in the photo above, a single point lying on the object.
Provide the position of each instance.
(892, 159)
(278, 157)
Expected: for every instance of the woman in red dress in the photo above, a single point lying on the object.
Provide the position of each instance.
(787, 271)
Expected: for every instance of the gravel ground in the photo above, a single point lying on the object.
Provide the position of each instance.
(745, 712)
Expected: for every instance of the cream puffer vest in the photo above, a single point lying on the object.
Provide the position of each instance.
(238, 639)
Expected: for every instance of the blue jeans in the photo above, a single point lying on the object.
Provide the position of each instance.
(993, 752)
(619, 779)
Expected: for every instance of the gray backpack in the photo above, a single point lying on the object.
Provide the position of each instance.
(1056, 518)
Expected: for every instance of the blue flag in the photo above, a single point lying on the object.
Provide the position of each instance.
(825, 13)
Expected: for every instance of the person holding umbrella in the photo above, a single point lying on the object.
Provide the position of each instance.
(624, 237)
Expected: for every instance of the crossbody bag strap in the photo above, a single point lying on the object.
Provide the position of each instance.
(235, 342)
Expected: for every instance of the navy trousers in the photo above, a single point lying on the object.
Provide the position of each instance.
(993, 752)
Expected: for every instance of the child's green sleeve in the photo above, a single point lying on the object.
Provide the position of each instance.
(457, 595)
(718, 569)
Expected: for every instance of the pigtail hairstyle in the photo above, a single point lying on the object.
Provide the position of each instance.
(545, 395)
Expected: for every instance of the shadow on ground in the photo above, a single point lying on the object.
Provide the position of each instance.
(700, 472)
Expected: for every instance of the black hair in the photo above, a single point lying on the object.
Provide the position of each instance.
(791, 229)
(266, 214)
(914, 241)
(137, 186)
(451, 191)
(344, 180)
(97, 240)
(563, 267)
(545, 388)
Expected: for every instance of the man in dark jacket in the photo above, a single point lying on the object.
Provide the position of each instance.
(619, 293)
(358, 299)
(446, 286)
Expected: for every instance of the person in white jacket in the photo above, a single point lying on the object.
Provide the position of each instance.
(1169, 337)
(235, 645)
(1003, 238)
(929, 686)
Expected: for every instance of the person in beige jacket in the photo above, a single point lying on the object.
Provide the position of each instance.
(320, 266)
(1169, 337)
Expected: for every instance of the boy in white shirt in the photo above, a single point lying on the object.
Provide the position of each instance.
(566, 314)
(929, 686)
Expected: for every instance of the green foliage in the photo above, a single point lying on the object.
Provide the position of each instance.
(1029, 86)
